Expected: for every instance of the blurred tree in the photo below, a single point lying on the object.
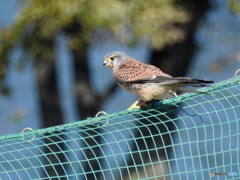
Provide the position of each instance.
(168, 26)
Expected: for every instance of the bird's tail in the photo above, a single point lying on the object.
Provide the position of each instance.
(194, 83)
(191, 90)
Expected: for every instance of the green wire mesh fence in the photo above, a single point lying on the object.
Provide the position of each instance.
(187, 137)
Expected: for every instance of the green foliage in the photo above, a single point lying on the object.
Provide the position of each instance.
(129, 22)
(126, 20)
(234, 5)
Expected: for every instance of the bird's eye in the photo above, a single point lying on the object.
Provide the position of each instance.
(111, 58)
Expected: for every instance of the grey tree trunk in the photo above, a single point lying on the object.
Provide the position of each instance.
(50, 108)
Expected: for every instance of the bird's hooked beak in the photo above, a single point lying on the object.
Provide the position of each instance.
(104, 63)
(107, 63)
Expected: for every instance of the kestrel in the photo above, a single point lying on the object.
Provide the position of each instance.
(147, 81)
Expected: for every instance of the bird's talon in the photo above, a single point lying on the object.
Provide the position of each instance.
(143, 104)
(133, 107)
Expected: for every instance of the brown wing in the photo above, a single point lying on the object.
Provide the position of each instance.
(157, 70)
(134, 70)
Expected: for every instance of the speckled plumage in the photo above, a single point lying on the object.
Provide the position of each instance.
(144, 80)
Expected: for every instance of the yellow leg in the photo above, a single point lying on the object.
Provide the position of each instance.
(134, 105)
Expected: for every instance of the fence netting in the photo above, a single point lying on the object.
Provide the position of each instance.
(188, 137)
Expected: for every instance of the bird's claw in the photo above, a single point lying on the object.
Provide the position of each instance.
(134, 105)
(143, 104)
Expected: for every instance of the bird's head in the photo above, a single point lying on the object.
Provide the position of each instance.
(114, 59)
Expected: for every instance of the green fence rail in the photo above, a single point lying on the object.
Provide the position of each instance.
(187, 137)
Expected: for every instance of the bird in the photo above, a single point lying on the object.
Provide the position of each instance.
(146, 81)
